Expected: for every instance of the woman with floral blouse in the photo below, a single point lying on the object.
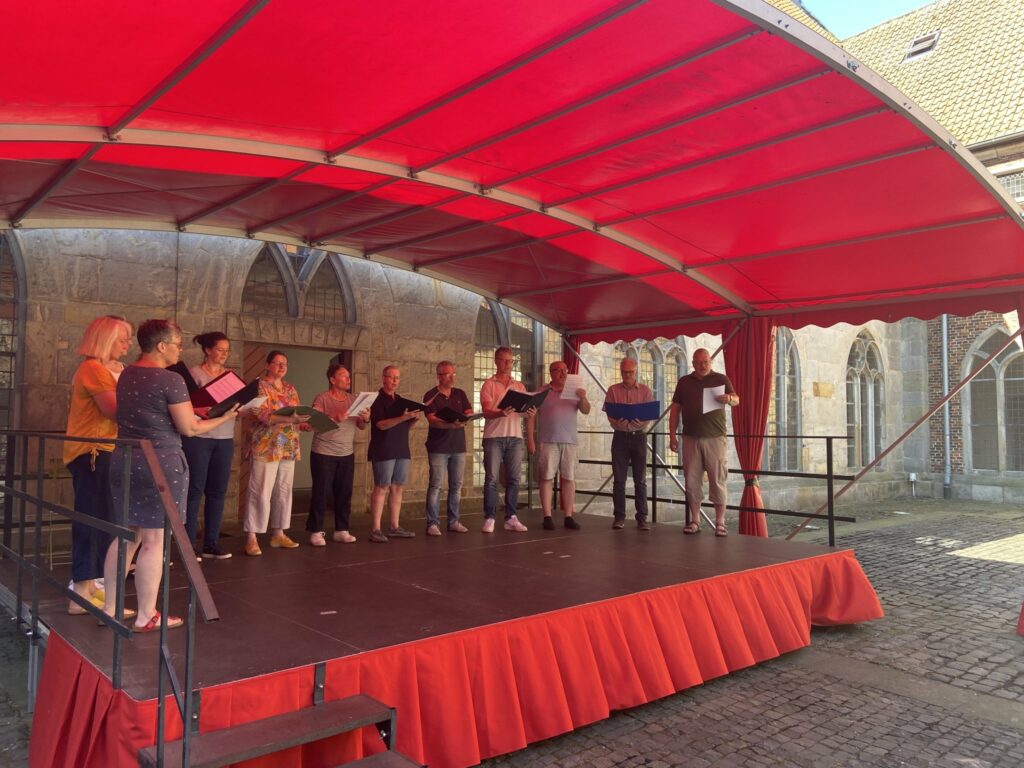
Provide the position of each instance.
(273, 451)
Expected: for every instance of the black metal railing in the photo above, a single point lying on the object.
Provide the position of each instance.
(655, 466)
(19, 499)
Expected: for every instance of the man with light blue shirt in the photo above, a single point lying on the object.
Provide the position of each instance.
(558, 438)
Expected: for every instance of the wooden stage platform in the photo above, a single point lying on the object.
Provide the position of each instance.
(484, 643)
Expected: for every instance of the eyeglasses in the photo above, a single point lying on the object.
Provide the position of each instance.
(225, 350)
(177, 344)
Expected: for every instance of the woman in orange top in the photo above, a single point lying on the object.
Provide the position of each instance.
(92, 414)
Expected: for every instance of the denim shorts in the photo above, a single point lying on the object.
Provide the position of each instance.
(390, 472)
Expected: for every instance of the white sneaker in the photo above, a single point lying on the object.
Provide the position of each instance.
(433, 530)
(488, 525)
(343, 536)
(513, 524)
(317, 540)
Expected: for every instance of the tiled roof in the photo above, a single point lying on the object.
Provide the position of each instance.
(972, 82)
(795, 9)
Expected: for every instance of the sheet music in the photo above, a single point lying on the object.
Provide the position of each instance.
(253, 404)
(573, 382)
(362, 402)
(710, 404)
(225, 386)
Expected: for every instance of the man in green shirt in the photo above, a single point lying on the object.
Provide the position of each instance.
(705, 448)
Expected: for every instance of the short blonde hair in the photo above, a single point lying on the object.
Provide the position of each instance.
(101, 335)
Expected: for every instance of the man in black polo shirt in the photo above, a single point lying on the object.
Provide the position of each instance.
(389, 452)
(446, 448)
(704, 443)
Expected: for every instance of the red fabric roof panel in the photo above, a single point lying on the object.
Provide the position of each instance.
(613, 168)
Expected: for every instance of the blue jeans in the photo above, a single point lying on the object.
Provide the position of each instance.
(209, 469)
(454, 465)
(629, 452)
(334, 474)
(92, 497)
(498, 451)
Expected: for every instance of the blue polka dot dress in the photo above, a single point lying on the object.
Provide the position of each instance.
(143, 397)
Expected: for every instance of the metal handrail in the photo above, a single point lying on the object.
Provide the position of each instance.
(655, 463)
(199, 590)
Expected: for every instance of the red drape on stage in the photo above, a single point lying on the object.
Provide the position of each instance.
(749, 355)
(569, 345)
(506, 685)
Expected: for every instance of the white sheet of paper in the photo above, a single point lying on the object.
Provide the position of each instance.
(253, 404)
(363, 401)
(573, 382)
(710, 404)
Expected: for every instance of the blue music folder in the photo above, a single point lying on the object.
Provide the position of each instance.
(639, 411)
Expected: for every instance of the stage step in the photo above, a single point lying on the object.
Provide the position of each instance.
(274, 734)
(383, 760)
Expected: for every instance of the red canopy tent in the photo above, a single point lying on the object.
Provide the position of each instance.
(613, 169)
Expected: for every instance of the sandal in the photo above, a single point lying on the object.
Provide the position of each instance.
(74, 609)
(721, 531)
(153, 624)
(692, 528)
(129, 613)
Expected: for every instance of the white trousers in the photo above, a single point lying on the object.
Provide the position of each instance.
(270, 495)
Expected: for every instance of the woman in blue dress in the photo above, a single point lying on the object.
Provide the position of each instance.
(152, 404)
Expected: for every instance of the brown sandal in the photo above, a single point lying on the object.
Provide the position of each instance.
(721, 531)
(692, 528)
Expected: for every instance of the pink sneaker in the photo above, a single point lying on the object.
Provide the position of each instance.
(513, 524)
(488, 525)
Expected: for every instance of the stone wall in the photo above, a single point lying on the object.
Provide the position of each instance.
(74, 275)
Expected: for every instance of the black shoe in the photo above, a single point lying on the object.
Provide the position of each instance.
(215, 552)
(571, 524)
(549, 524)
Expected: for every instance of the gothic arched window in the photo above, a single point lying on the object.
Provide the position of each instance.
(784, 451)
(994, 408)
(865, 401)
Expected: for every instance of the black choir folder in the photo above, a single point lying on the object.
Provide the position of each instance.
(403, 404)
(220, 394)
(320, 422)
(451, 415)
(522, 401)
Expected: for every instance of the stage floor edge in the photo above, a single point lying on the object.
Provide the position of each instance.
(488, 690)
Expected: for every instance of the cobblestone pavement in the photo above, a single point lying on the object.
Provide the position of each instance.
(938, 682)
(15, 723)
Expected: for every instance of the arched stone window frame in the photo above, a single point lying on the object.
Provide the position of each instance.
(483, 369)
(865, 400)
(289, 280)
(13, 245)
(1005, 373)
(334, 264)
(786, 454)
